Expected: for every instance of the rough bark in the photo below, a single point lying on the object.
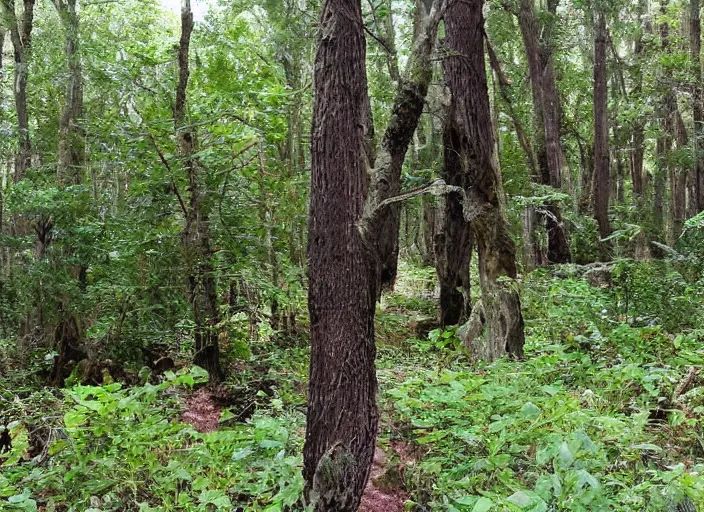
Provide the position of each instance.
(195, 238)
(678, 178)
(453, 241)
(602, 172)
(72, 146)
(385, 177)
(342, 414)
(428, 228)
(695, 35)
(472, 138)
(21, 37)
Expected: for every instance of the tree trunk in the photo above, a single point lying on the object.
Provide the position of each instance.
(195, 238)
(602, 172)
(453, 241)
(428, 228)
(21, 37)
(385, 179)
(352, 247)
(472, 138)
(695, 35)
(342, 413)
(546, 121)
(72, 146)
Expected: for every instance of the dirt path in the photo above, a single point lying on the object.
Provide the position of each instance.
(381, 500)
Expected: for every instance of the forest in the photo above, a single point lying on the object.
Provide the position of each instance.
(351, 255)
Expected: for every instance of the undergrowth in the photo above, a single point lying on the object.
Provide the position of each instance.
(594, 419)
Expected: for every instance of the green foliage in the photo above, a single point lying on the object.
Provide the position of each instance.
(570, 428)
(124, 449)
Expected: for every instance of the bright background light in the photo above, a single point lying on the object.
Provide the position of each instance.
(199, 7)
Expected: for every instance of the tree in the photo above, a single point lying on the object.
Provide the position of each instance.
(546, 117)
(72, 146)
(472, 138)
(353, 236)
(342, 411)
(21, 37)
(695, 34)
(602, 169)
(195, 238)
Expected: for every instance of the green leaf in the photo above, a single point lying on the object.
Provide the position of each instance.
(566, 458)
(483, 505)
(530, 411)
(520, 499)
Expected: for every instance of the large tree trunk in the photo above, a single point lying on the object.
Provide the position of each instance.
(546, 121)
(602, 171)
(342, 413)
(21, 37)
(72, 146)
(195, 238)
(695, 35)
(472, 138)
(352, 248)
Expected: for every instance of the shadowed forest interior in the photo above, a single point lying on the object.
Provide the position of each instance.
(351, 255)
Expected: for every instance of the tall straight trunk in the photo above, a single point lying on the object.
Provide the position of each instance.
(638, 131)
(353, 232)
(342, 413)
(195, 238)
(602, 172)
(428, 229)
(546, 121)
(21, 37)
(72, 146)
(472, 138)
(695, 34)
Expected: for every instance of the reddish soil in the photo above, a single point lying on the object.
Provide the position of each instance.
(378, 500)
(202, 411)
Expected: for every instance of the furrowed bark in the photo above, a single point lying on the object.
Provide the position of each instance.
(472, 138)
(342, 413)
(602, 171)
(72, 146)
(695, 35)
(453, 240)
(546, 121)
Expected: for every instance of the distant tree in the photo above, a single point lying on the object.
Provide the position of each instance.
(21, 37)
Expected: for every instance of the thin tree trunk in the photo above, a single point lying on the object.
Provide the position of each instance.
(342, 413)
(602, 172)
(385, 179)
(472, 138)
(195, 238)
(72, 147)
(695, 35)
(21, 37)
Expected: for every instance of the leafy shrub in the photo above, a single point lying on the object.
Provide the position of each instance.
(124, 449)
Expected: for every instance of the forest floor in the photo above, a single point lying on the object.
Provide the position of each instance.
(603, 414)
